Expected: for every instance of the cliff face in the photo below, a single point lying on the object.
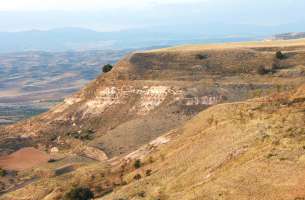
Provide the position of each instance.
(149, 93)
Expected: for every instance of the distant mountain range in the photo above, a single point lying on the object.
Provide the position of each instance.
(67, 39)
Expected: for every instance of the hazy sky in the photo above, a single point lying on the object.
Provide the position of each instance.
(109, 15)
(83, 5)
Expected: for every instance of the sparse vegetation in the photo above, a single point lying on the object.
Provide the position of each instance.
(148, 172)
(2, 172)
(107, 68)
(82, 135)
(138, 164)
(79, 193)
(279, 55)
(51, 160)
(137, 177)
(238, 135)
(142, 194)
(201, 56)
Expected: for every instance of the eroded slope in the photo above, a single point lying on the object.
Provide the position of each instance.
(246, 150)
(149, 93)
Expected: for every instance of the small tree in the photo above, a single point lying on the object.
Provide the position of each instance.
(137, 164)
(79, 193)
(279, 55)
(107, 68)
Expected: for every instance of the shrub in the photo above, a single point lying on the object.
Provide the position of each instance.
(52, 160)
(79, 193)
(201, 56)
(279, 55)
(262, 70)
(2, 172)
(107, 68)
(148, 172)
(137, 177)
(137, 164)
(85, 136)
(142, 194)
(82, 135)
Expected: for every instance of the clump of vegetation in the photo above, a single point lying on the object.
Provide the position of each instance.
(2, 172)
(82, 135)
(137, 164)
(270, 155)
(79, 193)
(279, 55)
(107, 68)
(201, 56)
(51, 160)
(148, 172)
(261, 70)
(137, 177)
(210, 120)
(142, 194)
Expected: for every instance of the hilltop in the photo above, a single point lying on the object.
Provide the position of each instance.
(185, 112)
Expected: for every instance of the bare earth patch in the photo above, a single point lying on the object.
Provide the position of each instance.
(23, 159)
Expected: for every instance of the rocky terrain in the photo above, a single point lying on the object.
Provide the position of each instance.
(202, 122)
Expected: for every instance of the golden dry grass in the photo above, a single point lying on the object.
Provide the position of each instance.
(246, 150)
(238, 45)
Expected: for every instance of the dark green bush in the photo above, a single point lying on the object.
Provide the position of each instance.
(137, 164)
(279, 55)
(107, 68)
(201, 56)
(79, 193)
(2, 172)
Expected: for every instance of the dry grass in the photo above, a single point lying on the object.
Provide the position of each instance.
(256, 156)
(238, 45)
(242, 150)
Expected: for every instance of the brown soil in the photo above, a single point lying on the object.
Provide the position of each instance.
(23, 159)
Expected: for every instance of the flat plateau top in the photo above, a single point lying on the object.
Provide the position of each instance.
(254, 44)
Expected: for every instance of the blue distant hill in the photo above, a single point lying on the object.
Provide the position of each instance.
(71, 39)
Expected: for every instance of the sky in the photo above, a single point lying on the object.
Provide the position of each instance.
(84, 5)
(116, 15)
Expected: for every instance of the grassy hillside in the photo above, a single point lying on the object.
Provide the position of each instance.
(244, 150)
(216, 122)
